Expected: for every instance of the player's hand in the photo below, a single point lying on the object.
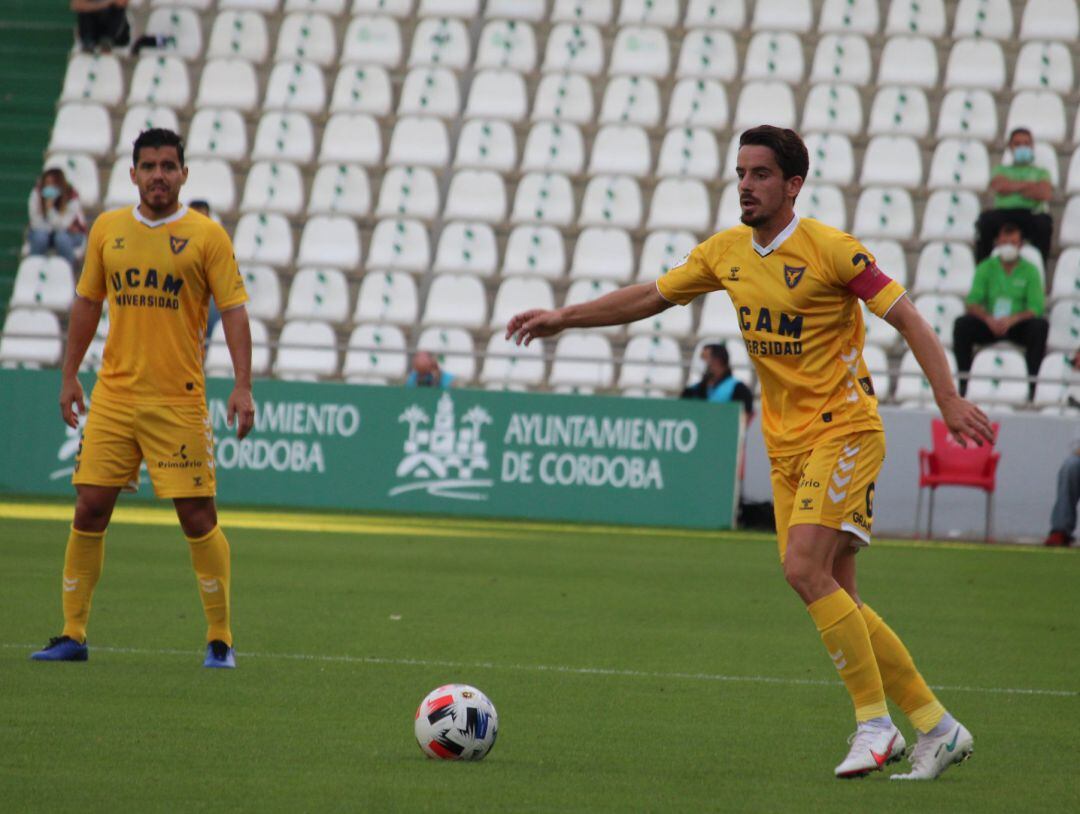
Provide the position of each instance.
(530, 325)
(966, 422)
(241, 409)
(71, 394)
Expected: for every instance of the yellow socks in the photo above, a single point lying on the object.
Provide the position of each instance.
(843, 630)
(83, 559)
(903, 683)
(210, 557)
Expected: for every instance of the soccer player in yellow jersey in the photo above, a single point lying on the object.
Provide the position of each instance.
(796, 286)
(158, 264)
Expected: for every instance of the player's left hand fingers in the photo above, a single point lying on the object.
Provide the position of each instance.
(246, 422)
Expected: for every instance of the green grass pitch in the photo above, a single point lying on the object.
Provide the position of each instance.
(632, 671)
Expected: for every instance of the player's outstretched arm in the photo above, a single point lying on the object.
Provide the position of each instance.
(964, 419)
(627, 304)
(241, 406)
(85, 315)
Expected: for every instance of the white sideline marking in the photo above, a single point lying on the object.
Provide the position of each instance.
(554, 668)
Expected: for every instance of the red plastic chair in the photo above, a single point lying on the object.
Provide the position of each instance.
(949, 464)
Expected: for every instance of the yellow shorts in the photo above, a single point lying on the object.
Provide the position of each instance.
(176, 442)
(831, 485)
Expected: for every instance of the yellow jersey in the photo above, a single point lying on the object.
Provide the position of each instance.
(797, 302)
(158, 277)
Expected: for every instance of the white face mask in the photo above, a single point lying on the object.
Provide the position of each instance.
(1008, 252)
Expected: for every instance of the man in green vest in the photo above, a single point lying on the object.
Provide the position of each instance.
(1022, 192)
(1006, 301)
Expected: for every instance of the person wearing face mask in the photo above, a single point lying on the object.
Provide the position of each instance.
(56, 217)
(1006, 301)
(1022, 192)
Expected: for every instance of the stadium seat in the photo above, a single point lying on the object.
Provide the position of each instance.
(307, 351)
(565, 97)
(631, 100)
(842, 58)
(1044, 66)
(1067, 276)
(456, 300)
(554, 146)
(263, 290)
(119, 190)
(420, 141)
(199, 5)
(925, 18)
(486, 144)
(774, 55)
(832, 161)
(449, 8)
(399, 244)
(908, 61)
(372, 40)
(375, 352)
(950, 214)
(765, 103)
(890, 258)
(652, 362)
(544, 197)
(183, 26)
(707, 54)
(531, 10)
(476, 195)
(351, 138)
(833, 108)
(581, 291)
(43, 282)
(219, 361)
(858, 16)
(307, 36)
(728, 212)
(296, 86)
(603, 252)
(899, 110)
(583, 361)
(83, 128)
(892, 161)
(944, 268)
(440, 41)
(284, 136)
(674, 322)
(263, 237)
(968, 113)
(640, 50)
(318, 293)
(507, 44)
(535, 250)
(1042, 112)
(998, 377)
(143, 117)
(1050, 20)
(160, 80)
(975, 64)
(661, 251)
(211, 180)
(984, 19)
(597, 12)
(1069, 234)
(718, 317)
(340, 189)
(239, 34)
(611, 200)
(941, 311)
(266, 6)
(31, 338)
(453, 347)
(730, 14)
(497, 94)
(698, 103)
(467, 247)
(228, 83)
(878, 331)
(1064, 326)
(81, 172)
(518, 294)
(329, 240)
(273, 186)
(408, 192)
(1058, 379)
(216, 133)
(430, 91)
(664, 13)
(508, 365)
(387, 297)
(949, 464)
(783, 15)
(574, 47)
(885, 212)
(689, 152)
(361, 89)
(959, 164)
(912, 387)
(877, 364)
(823, 202)
(621, 149)
(94, 78)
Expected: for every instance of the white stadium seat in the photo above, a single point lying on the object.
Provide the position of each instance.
(631, 100)
(1069, 232)
(611, 200)
(340, 189)
(950, 214)
(603, 252)
(944, 268)
(535, 250)
(317, 293)
(661, 251)
(399, 244)
(675, 322)
(730, 14)
(652, 362)
(467, 247)
(408, 192)
(997, 377)
(885, 212)
(987, 19)
(698, 103)
(217, 133)
(833, 108)
(329, 240)
(708, 54)
(507, 44)
(507, 364)
(361, 89)
(430, 91)
(273, 186)
(900, 110)
(81, 172)
(93, 78)
(476, 195)
(774, 55)
(968, 113)
(941, 311)
(892, 161)
(621, 149)
(375, 352)
(890, 258)
(583, 361)
(143, 117)
(554, 147)
(574, 47)
(832, 161)
(351, 138)
(82, 128)
(263, 237)
(228, 83)
(456, 300)
(1044, 66)
(420, 141)
(296, 86)
(440, 41)
(219, 361)
(563, 97)
(239, 34)
(842, 58)
(31, 338)
(640, 50)
(160, 80)
(925, 18)
(1042, 112)
(183, 26)
(518, 294)
(585, 290)
(265, 6)
(823, 202)
(497, 94)
(663, 13)
(1064, 326)
(728, 212)
(284, 136)
(860, 16)
(960, 164)
(598, 12)
(878, 331)
(486, 144)
(306, 351)
(43, 282)
(307, 36)
(544, 197)
(1067, 276)
(783, 15)
(453, 347)
(120, 191)
(908, 61)
(1058, 379)
(211, 180)
(975, 64)
(372, 40)
(718, 316)
(1050, 20)
(689, 152)
(387, 297)
(912, 386)
(264, 291)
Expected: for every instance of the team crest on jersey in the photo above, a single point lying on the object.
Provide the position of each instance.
(177, 244)
(793, 274)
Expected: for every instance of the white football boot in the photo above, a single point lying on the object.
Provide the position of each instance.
(934, 754)
(873, 744)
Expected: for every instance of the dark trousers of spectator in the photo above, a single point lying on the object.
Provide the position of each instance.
(969, 331)
(1037, 230)
(106, 27)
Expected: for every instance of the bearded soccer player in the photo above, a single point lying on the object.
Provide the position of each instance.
(796, 286)
(158, 263)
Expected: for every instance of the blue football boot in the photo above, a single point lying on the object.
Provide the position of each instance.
(219, 654)
(62, 648)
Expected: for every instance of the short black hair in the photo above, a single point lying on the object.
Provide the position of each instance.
(1017, 130)
(719, 351)
(157, 137)
(787, 146)
(1009, 227)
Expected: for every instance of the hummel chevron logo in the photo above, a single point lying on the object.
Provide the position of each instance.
(835, 496)
(209, 586)
(71, 584)
(838, 659)
(849, 451)
(840, 482)
(844, 466)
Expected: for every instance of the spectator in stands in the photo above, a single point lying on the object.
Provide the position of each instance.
(426, 372)
(1063, 516)
(56, 217)
(1006, 301)
(102, 24)
(719, 383)
(1022, 193)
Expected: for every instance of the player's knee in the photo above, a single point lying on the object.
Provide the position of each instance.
(805, 576)
(197, 517)
(91, 514)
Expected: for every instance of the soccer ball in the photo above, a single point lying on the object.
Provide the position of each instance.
(456, 722)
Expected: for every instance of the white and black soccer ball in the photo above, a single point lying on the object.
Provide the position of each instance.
(456, 722)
